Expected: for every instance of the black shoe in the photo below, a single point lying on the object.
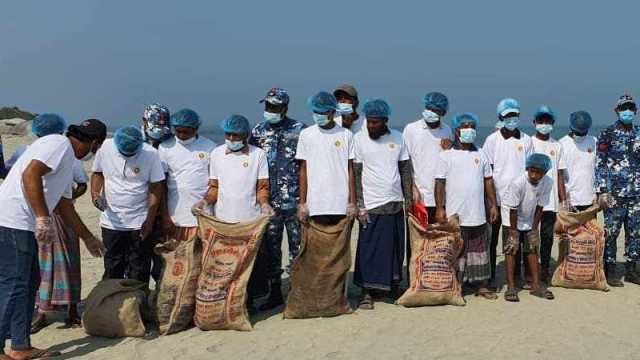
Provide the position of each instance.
(630, 274)
(612, 279)
(275, 297)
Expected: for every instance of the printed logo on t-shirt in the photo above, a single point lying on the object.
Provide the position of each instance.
(552, 153)
(520, 148)
(477, 161)
(201, 156)
(136, 170)
(392, 146)
(245, 164)
(337, 143)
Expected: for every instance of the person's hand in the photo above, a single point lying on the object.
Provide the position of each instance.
(446, 144)
(94, 246)
(606, 201)
(417, 196)
(99, 201)
(44, 229)
(168, 227)
(493, 214)
(303, 212)
(352, 210)
(566, 206)
(199, 207)
(441, 216)
(266, 209)
(363, 217)
(146, 229)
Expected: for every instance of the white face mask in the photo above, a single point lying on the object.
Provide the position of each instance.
(430, 117)
(89, 155)
(186, 142)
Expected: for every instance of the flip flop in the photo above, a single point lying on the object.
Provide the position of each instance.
(366, 303)
(5, 357)
(511, 295)
(487, 294)
(38, 325)
(37, 354)
(543, 294)
(71, 324)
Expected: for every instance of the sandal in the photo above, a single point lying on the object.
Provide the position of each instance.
(487, 294)
(74, 323)
(543, 294)
(511, 295)
(34, 353)
(366, 303)
(39, 324)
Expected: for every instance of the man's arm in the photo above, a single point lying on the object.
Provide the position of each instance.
(439, 193)
(352, 184)
(513, 219)
(33, 187)
(537, 217)
(80, 189)
(97, 185)
(155, 198)
(71, 218)
(562, 191)
(302, 178)
(490, 199)
(212, 192)
(357, 173)
(406, 179)
(262, 191)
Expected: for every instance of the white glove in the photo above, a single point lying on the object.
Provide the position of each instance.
(266, 210)
(352, 210)
(199, 207)
(44, 229)
(363, 217)
(303, 212)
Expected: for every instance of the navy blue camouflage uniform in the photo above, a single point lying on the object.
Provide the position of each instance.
(618, 173)
(280, 141)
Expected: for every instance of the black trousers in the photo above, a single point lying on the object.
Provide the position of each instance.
(546, 239)
(127, 256)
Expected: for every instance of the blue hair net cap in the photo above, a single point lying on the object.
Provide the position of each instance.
(466, 118)
(128, 140)
(322, 102)
(436, 100)
(508, 105)
(580, 121)
(47, 124)
(185, 118)
(539, 161)
(376, 108)
(544, 110)
(236, 124)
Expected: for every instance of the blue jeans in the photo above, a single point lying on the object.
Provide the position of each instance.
(19, 282)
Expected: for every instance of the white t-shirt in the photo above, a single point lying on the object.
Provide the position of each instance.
(464, 172)
(357, 125)
(380, 175)
(126, 184)
(327, 154)
(508, 157)
(525, 197)
(187, 169)
(238, 174)
(423, 145)
(580, 158)
(79, 175)
(553, 150)
(56, 152)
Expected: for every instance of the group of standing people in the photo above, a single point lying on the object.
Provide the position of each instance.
(150, 181)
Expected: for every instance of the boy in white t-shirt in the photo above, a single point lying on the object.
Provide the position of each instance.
(383, 185)
(522, 205)
(464, 186)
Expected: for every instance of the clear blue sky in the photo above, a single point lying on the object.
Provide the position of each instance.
(107, 59)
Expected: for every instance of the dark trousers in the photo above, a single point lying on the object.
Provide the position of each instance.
(19, 282)
(127, 256)
(273, 238)
(546, 239)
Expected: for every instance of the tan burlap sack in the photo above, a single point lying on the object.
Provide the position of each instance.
(114, 309)
(581, 249)
(319, 273)
(229, 253)
(176, 295)
(432, 272)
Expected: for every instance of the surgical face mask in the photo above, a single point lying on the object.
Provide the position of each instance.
(345, 108)
(511, 123)
(321, 119)
(544, 129)
(157, 132)
(430, 117)
(626, 116)
(89, 155)
(234, 145)
(467, 135)
(186, 142)
(272, 118)
(499, 124)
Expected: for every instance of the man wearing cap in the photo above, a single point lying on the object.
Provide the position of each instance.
(507, 150)
(543, 143)
(618, 185)
(39, 182)
(579, 152)
(383, 183)
(347, 109)
(278, 136)
(126, 186)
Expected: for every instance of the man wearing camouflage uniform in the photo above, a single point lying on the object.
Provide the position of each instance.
(278, 135)
(618, 186)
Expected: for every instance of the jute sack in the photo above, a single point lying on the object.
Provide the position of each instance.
(176, 295)
(114, 309)
(581, 249)
(432, 272)
(319, 273)
(229, 253)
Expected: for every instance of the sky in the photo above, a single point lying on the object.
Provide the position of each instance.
(107, 59)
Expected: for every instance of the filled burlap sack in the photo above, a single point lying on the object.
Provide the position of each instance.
(581, 248)
(114, 308)
(176, 293)
(319, 273)
(432, 272)
(228, 257)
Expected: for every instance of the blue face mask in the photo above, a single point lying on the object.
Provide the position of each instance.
(626, 117)
(499, 124)
(345, 108)
(544, 129)
(430, 116)
(511, 123)
(234, 145)
(272, 117)
(321, 119)
(467, 136)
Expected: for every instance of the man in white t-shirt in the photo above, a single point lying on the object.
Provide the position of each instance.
(507, 150)
(347, 108)
(543, 143)
(39, 182)
(383, 186)
(522, 205)
(579, 151)
(126, 186)
(464, 186)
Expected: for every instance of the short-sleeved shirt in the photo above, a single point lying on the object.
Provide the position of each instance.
(525, 197)
(56, 152)
(424, 147)
(238, 174)
(618, 162)
(187, 171)
(357, 125)
(580, 158)
(464, 172)
(126, 184)
(380, 175)
(327, 154)
(553, 149)
(508, 157)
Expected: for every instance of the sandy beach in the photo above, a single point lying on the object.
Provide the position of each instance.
(579, 324)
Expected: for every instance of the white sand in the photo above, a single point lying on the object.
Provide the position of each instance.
(579, 324)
